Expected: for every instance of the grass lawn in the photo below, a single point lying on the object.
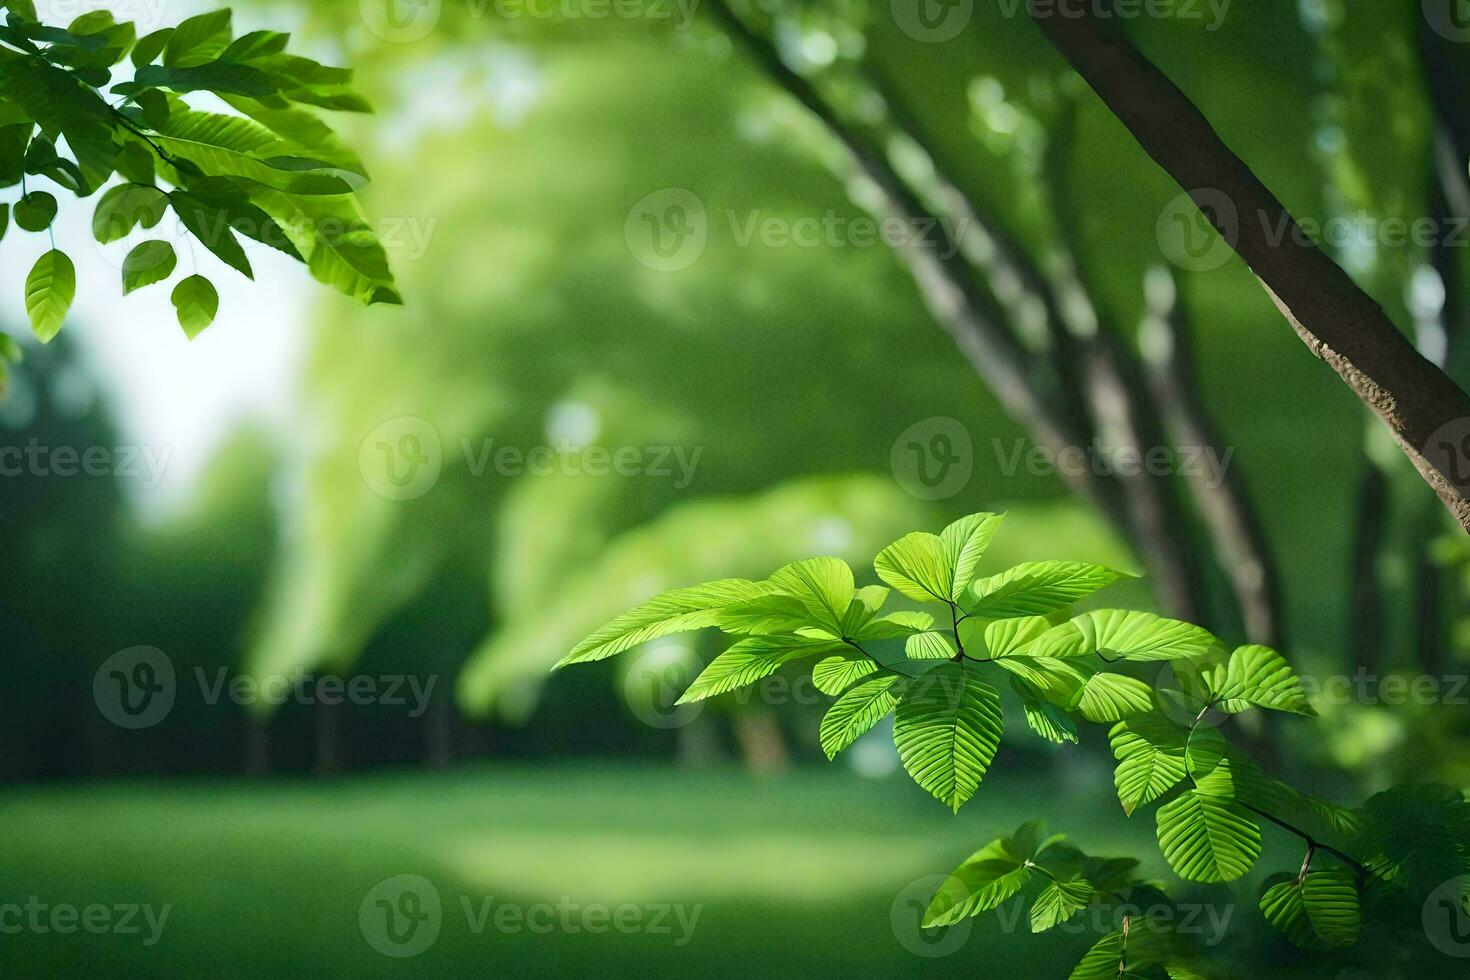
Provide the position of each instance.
(716, 873)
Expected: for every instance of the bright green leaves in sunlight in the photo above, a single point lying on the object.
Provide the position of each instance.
(268, 170)
(1258, 676)
(987, 878)
(673, 612)
(941, 673)
(50, 289)
(938, 568)
(857, 710)
(196, 303)
(941, 677)
(1115, 634)
(1150, 753)
(1060, 879)
(751, 659)
(146, 264)
(947, 728)
(1038, 588)
(1208, 838)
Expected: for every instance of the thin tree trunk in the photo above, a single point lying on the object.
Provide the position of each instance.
(1365, 614)
(973, 319)
(1234, 527)
(257, 745)
(1339, 323)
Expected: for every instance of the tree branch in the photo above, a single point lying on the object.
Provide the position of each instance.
(1337, 321)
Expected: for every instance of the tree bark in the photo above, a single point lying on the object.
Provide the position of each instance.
(1427, 414)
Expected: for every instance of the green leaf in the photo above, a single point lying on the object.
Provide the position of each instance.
(896, 626)
(776, 613)
(1150, 750)
(4, 219)
(678, 611)
(965, 542)
(35, 211)
(1117, 634)
(836, 674)
(986, 878)
(1319, 911)
(1002, 637)
(918, 566)
(1260, 676)
(857, 711)
(1059, 901)
(146, 264)
(1205, 838)
(198, 40)
(1112, 697)
(50, 289)
(751, 659)
(303, 129)
(339, 247)
(14, 139)
(929, 646)
(232, 146)
(1056, 681)
(947, 729)
(1038, 588)
(1048, 720)
(210, 224)
(126, 206)
(937, 568)
(1149, 952)
(865, 604)
(824, 586)
(196, 303)
(256, 44)
(149, 47)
